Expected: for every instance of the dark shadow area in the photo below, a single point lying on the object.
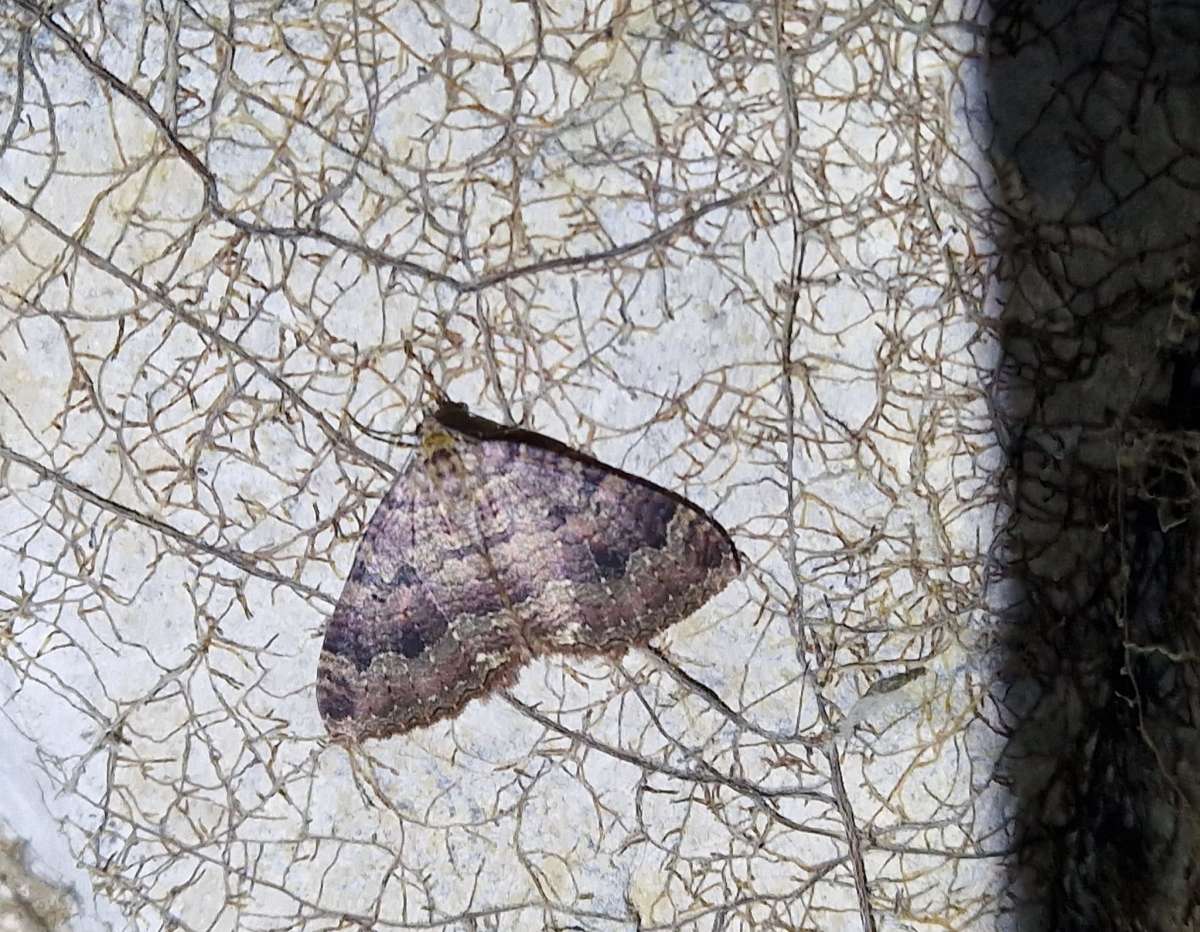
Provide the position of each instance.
(1097, 114)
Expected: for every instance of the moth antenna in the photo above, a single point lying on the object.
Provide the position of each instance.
(402, 438)
(429, 381)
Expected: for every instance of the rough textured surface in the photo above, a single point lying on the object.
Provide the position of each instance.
(495, 546)
(28, 902)
(745, 250)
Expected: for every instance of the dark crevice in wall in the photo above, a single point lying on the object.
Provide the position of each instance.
(1097, 113)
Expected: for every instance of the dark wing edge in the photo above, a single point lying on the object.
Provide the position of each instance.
(391, 660)
(456, 416)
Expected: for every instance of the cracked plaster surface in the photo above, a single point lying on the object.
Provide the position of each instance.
(740, 249)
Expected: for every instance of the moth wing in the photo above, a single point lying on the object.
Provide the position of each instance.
(417, 632)
(525, 547)
(596, 559)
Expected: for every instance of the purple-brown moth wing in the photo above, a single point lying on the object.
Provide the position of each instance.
(493, 546)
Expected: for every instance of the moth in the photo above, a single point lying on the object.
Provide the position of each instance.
(496, 545)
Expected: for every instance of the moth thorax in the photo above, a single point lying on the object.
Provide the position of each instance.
(443, 463)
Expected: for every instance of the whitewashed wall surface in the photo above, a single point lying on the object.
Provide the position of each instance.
(750, 251)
